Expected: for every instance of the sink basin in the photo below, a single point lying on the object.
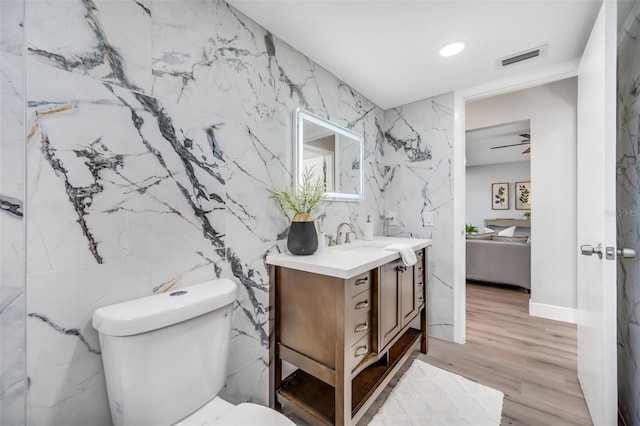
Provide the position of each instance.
(363, 246)
(360, 249)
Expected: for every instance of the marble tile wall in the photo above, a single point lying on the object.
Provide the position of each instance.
(154, 129)
(12, 240)
(628, 223)
(418, 154)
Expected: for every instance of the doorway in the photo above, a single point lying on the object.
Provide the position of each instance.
(550, 104)
(504, 318)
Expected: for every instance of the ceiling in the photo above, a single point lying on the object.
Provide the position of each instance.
(480, 141)
(388, 50)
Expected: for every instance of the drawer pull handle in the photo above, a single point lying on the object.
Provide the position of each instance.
(361, 281)
(401, 268)
(361, 327)
(361, 350)
(362, 305)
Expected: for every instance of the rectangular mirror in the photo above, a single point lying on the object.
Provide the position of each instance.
(335, 153)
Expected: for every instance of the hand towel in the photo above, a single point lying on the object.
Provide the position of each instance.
(407, 253)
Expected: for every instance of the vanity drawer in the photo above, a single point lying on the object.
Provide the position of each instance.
(419, 279)
(361, 303)
(419, 284)
(420, 263)
(359, 283)
(419, 294)
(358, 327)
(360, 350)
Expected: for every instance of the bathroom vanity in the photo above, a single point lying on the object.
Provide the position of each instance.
(347, 318)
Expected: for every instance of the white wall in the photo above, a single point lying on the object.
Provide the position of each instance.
(478, 193)
(552, 111)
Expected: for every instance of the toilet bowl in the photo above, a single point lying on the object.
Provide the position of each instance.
(165, 359)
(220, 412)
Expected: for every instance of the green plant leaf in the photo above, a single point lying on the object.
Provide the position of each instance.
(305, 198)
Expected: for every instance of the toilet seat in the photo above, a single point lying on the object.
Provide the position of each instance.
(220, 412)
(248, 414)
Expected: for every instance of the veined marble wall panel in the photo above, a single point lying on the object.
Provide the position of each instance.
(108, 40)
(628, 223)
(207, 54)
(11, 28)
(11, 166)
(163, 174)
(117, 175)
(12, 240)
(65, 369)
(419, 153)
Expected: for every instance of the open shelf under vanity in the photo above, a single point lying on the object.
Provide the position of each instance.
(314, 401)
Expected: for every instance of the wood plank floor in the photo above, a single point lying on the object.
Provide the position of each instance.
(531, 360)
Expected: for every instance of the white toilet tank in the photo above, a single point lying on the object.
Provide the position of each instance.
(165, 355)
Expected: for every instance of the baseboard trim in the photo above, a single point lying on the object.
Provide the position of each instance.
(558, 313)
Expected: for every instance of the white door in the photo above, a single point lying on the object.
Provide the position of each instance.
(596, 222)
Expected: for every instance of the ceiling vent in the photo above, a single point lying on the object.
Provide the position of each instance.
(528, 55)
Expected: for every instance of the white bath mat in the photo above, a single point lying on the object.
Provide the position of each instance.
(428, 395)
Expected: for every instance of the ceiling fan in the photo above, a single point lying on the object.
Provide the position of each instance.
(525, 141)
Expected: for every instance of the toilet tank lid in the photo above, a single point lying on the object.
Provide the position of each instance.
(164, 309)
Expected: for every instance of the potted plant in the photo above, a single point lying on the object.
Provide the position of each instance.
(470, 229)
(302, 239)
(527, 215)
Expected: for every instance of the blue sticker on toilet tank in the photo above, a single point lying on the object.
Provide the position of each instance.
(178, 293)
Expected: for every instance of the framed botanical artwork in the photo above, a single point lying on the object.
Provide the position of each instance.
(523, 195)
(500, 196)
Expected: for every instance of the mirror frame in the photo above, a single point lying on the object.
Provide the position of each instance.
(300, 116)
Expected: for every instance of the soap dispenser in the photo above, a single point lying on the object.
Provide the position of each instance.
(368, 229)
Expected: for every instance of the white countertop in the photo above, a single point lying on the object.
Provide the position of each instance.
(347, 260)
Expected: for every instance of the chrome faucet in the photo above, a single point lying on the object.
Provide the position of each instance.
(347, 240)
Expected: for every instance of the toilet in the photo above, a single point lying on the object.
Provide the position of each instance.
(165, 359)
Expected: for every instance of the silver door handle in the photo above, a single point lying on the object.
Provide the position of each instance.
(627, 253)
(588, 250)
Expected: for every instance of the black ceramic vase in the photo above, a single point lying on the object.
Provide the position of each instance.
(303, 239)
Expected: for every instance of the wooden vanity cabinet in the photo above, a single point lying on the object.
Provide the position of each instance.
(412, 290)
(401, 296)
(347, 337)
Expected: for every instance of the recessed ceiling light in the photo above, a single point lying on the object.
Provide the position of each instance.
(452, 49)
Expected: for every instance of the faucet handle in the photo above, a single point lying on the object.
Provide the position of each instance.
(331, 242)
(348, 238)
